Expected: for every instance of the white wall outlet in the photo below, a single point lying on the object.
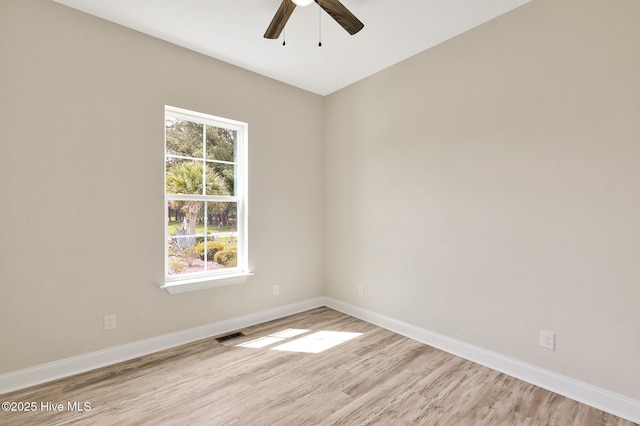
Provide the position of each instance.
(276, 290)
(361, 290)
(110, 322)
(548, 340)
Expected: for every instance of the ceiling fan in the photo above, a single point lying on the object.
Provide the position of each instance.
(334, 8)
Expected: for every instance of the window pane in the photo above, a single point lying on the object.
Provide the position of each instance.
(185, 217)
(176, 216)
(183, 258)
(184, 138)
(221, 144)
(223, 232)
(182, 255)
(184, 176)
(185, 232)
(221, 179)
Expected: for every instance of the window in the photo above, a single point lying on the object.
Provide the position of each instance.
(205, 200)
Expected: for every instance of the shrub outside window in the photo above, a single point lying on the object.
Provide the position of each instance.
(205, 197)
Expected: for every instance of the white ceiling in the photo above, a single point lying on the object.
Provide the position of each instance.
(232, 31)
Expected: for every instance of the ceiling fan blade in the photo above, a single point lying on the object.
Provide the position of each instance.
(280, 19)
(342, 15)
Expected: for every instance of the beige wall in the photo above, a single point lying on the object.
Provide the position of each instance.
(81, 114)
(488, 188)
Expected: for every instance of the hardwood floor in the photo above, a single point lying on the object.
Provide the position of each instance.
(378, 377)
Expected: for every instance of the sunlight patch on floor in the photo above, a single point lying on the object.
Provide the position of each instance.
(313, 343)
(317, 342)
(273, 338)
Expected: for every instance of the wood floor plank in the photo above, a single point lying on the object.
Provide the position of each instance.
(376, 378)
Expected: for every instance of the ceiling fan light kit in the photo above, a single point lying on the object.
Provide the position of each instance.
(334, 8)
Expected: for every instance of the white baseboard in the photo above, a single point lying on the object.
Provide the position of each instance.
(79, 364)
(601, 399)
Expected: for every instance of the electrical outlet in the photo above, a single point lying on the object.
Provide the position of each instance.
(276, 290)
(361, 290)
(110, 322)
(548, 340)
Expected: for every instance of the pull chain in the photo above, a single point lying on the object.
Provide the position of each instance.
(284, 36)
(319, 26)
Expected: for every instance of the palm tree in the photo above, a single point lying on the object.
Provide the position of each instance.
(187, 178)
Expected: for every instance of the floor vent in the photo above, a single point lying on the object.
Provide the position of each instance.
(223, 339)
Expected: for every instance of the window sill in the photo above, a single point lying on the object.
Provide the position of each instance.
(192, 284)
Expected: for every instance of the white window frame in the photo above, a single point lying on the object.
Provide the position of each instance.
(218, 277)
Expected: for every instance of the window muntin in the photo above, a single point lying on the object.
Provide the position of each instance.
(205, 196)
